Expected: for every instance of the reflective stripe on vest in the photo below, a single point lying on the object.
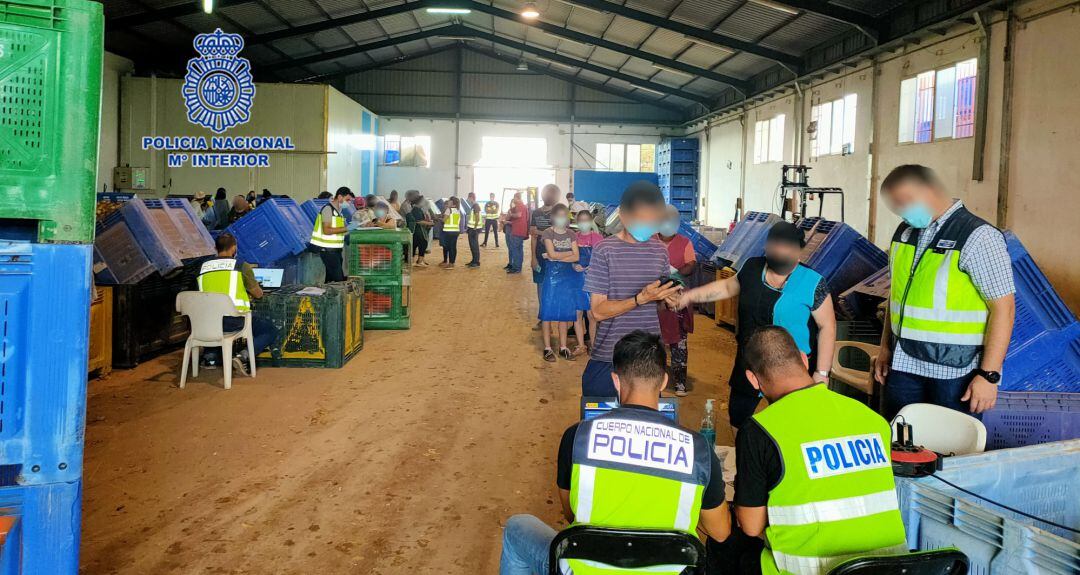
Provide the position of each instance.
(476, 221)
(634, 468)
(837, 497)
(318, 238)
(452, 222)
(221, 276)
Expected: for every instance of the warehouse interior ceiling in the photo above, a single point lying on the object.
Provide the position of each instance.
(692, 56)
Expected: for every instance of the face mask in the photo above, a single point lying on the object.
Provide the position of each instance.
(641, 232)
(917, 215)
(380, 213)
(584, 225)
(559, 221)
(669, 228)
(782, 266)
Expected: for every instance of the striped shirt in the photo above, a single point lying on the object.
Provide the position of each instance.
(619, 270)
(985, 258)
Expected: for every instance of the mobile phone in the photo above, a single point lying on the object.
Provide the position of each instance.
(667, 281)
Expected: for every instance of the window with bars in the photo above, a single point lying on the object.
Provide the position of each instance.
(834, 123)
(412, 151)
(938, 104)
(769, 140)
(626, 157)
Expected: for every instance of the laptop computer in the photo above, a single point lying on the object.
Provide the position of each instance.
(269, 278)
(593, 407)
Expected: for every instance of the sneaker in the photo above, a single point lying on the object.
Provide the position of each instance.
(474, 265)
(680, 389)
(239, 366)
(565, 354)
(580, 351)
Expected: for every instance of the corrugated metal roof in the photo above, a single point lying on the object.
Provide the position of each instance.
(666, 43)
(705, 13)
(803, 33)
(752, 21)
(743, 65)
(628, 32)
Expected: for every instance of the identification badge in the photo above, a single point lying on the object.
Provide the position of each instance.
(642, 444)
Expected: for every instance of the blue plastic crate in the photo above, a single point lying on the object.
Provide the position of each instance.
(183, 232)
(681, 143)
(311, 209)
(1031, 418)
(606, 187)
(861, 300)
(45, 292)
(681, 193)
(158, 237)
(118, 258)
(842, 255)
(1038, 306)
(272, 231)
(677, 168)
(1050, 362)
(1038, 480)
(747, 240)
(684, 155)
(703, 248)
(304, 269)
(200, 243)
(686, 206)
(45, 537)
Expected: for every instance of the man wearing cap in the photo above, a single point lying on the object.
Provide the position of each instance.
(775, 290)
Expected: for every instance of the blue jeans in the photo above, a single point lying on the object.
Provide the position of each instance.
(526, 540)
(905, 388)
(516, 247)
(263, 333)
(596, 380)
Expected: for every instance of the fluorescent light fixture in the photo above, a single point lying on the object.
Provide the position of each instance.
(672, 70)
(449, 11)
(644, 89)
(466, 38)
(529, 10)
(208, 6)
(776, 6)
(522, 66)
(714, 45)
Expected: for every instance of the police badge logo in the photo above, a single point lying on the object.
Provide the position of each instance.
(218, 89)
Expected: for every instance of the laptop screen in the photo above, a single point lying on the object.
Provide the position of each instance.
(593, 407)
(269, 277)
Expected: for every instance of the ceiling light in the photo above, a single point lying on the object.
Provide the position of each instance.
(208, 6)
(522, 66)
(776, 6)
(643, 88)
(672, 70)
(529, 10)
(708, 43)
(449, 11)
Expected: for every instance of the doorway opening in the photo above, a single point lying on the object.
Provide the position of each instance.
(508, 165)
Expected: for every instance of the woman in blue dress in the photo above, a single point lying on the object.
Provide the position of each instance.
(560, 284)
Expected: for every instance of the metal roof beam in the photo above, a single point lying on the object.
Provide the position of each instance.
(863, 22)
(451, 30)
(789, 60)
(581, 82)
(377, 65)
(183, 9)
(338, 22)
(582, 38)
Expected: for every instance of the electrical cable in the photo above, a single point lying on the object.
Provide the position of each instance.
(1017, 511)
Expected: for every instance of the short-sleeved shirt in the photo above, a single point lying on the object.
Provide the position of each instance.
(589, 239)
(562, 242)
(250, 283)
(985, 259)
(790, 307)
(619, 270)
(540, 219)
(712, 498)
(519, 222)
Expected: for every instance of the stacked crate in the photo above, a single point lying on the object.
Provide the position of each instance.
(381, 258)
(320, 326)
(677, 163)
(48, 166)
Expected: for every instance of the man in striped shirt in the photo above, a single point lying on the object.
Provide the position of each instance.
(623, 282)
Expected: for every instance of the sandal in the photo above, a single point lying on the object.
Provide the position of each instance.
(580, 351)
(565, 353)
(549, 355)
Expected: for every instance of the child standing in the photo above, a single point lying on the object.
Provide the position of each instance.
(560, 284)
(587, 238)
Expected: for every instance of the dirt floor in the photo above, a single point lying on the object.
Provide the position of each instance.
(407, 460)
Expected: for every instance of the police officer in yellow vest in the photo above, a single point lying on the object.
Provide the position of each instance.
(225, 274)
(813, 471)
(951, 302)
(328, 235)
(629, 468)
(474, 224)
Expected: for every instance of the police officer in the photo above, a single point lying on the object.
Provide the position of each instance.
(225, 274)
(813, 470)
(951, 302)
(328, 235)
(631, 467)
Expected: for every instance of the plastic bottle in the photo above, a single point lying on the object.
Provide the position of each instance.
(708, 428)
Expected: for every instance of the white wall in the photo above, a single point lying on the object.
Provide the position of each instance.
(112, 69)
(153, 106)
(445, 177)
(1042, 163)
(346, 143)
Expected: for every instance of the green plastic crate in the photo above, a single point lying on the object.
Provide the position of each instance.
(382, 253)
(314, 330)
(50, 97)
(386, 303)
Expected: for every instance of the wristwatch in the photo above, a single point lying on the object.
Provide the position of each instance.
(822, 373)
(993, 377)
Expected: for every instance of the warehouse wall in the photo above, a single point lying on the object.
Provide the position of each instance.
(113, 68)
(153, 106)
(350, 144)
(1041, 156)
(445, 176)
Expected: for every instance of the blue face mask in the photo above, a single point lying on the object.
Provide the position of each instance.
(584, 225)
(559, 221)
(380, 213)
(669, 228)
(917, 215)
(641, 232)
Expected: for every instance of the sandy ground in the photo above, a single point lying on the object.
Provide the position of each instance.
(407, 460)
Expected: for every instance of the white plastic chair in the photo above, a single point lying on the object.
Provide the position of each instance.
(205, 311)
(942, 429)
